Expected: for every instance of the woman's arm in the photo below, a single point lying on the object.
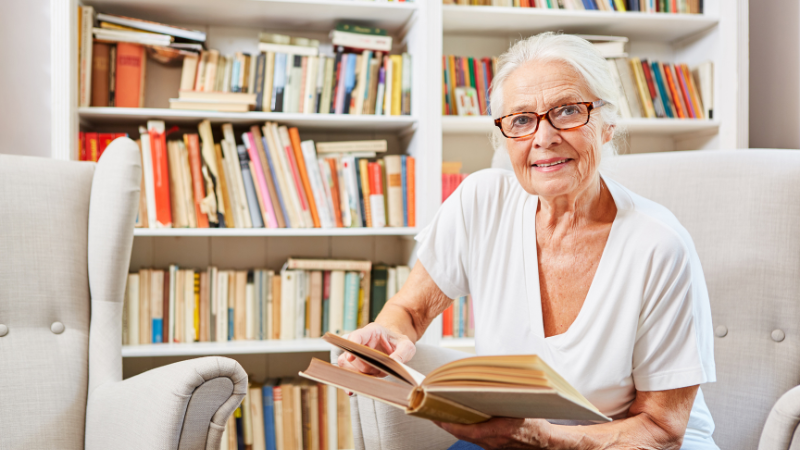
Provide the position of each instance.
(656, 420)
(402, 321)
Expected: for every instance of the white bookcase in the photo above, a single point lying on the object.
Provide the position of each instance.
(427, 30)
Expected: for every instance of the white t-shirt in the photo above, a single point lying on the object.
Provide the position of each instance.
(645, 323)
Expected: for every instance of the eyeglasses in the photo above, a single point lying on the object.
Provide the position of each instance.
(564, 117)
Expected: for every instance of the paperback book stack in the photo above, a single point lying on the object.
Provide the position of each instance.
(266, 177)
(649, 6)
(298, 75)
(290, 414)
(451, 178)
(457, 319)
(305, 299)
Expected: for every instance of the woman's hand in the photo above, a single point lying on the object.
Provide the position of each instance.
(500, 433)
(398, 346)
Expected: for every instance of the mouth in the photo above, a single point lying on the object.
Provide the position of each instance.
(551, 162)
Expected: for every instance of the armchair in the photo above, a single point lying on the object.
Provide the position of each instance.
(66, 231)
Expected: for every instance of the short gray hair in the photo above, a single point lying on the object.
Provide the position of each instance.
(577, 53)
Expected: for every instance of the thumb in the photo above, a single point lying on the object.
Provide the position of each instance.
(403, 351)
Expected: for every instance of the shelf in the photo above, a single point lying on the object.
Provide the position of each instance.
(307, 15)
(225, 348)
(102, 115)
(507, 21)
(272, 232)
(484, 125)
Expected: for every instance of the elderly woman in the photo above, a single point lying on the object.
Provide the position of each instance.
(565, 263)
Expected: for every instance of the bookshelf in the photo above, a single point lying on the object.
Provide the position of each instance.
(427, 30)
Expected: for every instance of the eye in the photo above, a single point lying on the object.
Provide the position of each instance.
(569, 110)
(520, 120)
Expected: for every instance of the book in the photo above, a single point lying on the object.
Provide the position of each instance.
(377, 145)
(101, 65)
(361, 41)
(130, 73)
(153, 27)
(203, 105)
(466, 391)
(217, 97)
(86, 23)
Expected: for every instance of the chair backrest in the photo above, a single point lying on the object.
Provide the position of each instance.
(53, 247)
(742, 209)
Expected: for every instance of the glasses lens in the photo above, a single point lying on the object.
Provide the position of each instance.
(569, 116)
(519, 124)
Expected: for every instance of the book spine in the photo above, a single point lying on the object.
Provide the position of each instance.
(294, 136)
(261, 62)
(395, 190)
(293, 174)
(197, 180)
(278, 192)
(376, 196)
(268, 400)
(271, 220)
(260, 150)
(129, 69)
(362, 174)
(404, 181)
(351, 185)
(249, 188)
(662, 90)
(158, 143)
(86, 47)
(351, 301)
(412, 189)
(101, 54)
(317, 189)
(328, 168)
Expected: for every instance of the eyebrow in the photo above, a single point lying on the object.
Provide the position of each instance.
(561, 101)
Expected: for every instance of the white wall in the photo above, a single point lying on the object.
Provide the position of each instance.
(25, 77)
(774, 74)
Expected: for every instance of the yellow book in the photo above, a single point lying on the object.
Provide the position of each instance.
(620, 4)
(362, 170)
(397, 83)
(641, 85)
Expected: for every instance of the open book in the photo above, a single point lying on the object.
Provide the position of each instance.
(466, 391)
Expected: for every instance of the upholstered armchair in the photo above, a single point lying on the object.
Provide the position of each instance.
(66, 230)
(742, 209)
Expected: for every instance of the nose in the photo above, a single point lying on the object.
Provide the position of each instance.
(546, 136)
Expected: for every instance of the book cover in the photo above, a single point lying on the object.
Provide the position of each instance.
(198, 187)
(299, 160)
(130, 66)
(249, 187)
(317, 185)
(378, 297)
(269, 179)
(376, 196)
(351, 290)
(268, 404)
(268, 211)
(663, 95)
(281, 176)
(280, 440)
(158, 147)
(362, 174)
(100, 73)
(671, 88)
(292, 176)
(412, 189)
(327, 168)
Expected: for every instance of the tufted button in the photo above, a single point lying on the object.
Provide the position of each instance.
(721, 331)
(57, 327)
(778, 335)
(3, 330)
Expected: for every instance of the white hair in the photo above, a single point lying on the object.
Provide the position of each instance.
(572, 50)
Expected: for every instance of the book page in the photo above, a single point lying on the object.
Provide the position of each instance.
(377, 359)
(395, 394)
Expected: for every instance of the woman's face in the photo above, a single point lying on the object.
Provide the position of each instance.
(538, 86)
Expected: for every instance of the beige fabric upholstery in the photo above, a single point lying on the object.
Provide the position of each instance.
(67, 229)
(742, 209)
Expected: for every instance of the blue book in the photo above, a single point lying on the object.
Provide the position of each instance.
(275, 181)
(279, 82)
(351, 287)
(360, 194)
(404, 178)
(238, 417)
(158, 326)
(349, 81)
(235, 76)
(269, 417)
(665, 99)
(367, 81)
(587, 4)
(249, 188)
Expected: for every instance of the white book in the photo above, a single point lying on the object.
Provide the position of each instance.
(310, 91)
(266, 318)
(387, 103)
(85, 70)
(250, 310)
(173, 284)
(213, 301)
(394, 188)
(232, 159)
(327, 184)
(288, 304)
(288, 191)
(351, 181)
(301, 290)
(344, 197)
(188, 72)
(222, 299)
(315, 179)
(136, 37)
(377, 210)
(391, 283)
(297, 184)
(336, 306)
(333, 426)
(230, 177)
(322, 62)
(189, 333)
(362, 83)
(402, 275)
(327, 89)
(132, 306)
(267, 47)
(211, 71)
(227, 73)
(361, 41)
(621, 100)
(147, 158)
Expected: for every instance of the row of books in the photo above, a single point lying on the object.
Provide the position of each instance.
(466, 85)
(305, 299)
(656, 89)
(290, 414)
(271, 179)
(296, 75)
(457, 320)
(646, 6)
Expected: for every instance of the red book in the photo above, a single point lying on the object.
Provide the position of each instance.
(158, 150)
(673, 92)
(479, 86)
(81, 146)
(104, 140)
(447, 322)
(649, 77)
(335, 192)
(91, 141)
(412, 191)
(684, 89)
(129, 78)
(375, 180)
(198, 188)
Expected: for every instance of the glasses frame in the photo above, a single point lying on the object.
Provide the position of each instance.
(590, 106)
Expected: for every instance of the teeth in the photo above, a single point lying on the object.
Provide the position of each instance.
(551, 164)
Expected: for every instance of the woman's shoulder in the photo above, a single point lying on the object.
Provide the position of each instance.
(490, 184)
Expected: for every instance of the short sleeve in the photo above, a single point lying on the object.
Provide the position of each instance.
(443, 247)
(672, 347)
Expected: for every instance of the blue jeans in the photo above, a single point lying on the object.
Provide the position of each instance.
(464, 445)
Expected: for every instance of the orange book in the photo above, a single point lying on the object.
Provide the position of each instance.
(193, 144)
(294, 136)
(158, 150)
(129, 80)
(337, 208)
(412, 191)
(91, 145)
(680, 108)
(693, 94)
(81, 145)
(104, 139)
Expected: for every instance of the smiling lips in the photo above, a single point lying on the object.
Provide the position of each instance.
(550, 162)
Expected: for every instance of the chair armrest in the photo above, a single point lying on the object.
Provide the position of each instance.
(184, 405)
(380, 426)
(782, 430)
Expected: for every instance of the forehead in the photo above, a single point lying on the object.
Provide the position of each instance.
(544, 84)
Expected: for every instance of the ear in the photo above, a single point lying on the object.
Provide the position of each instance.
(608, 133)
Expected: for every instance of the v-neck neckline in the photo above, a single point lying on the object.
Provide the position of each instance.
(531, 266)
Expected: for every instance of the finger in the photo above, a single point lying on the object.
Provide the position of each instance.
(404, 351)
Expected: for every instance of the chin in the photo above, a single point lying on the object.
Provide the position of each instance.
(549, 186)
